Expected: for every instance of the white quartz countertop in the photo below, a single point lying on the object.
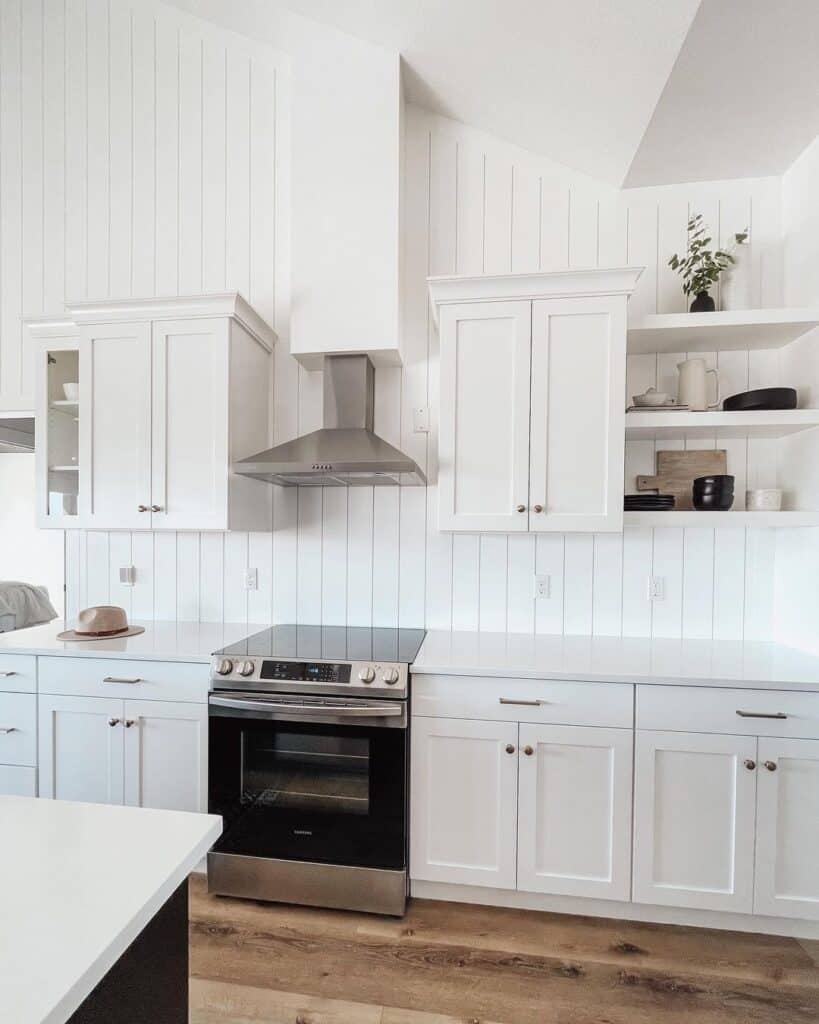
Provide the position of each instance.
(615, 659)
(161, 641)
(78, 883)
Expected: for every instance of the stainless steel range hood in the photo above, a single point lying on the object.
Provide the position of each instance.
(345, 452)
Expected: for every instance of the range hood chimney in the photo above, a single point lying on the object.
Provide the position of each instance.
(345, 452)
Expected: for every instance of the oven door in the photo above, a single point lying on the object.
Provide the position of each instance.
(309, 779)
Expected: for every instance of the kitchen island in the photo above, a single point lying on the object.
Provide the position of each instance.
(94, 924)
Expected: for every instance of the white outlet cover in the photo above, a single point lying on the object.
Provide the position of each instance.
(656, 588)
(543, 586)
(420, 419)
(251, 579)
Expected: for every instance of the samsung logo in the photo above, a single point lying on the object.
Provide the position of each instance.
(301, 832)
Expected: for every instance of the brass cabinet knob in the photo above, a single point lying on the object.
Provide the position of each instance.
(520, 508)
(129, 722)
(750, 764)
(113, 721)
(537, 508)
(156, 508)
(528, 751)
(142, 508)
(771, 766)
(509, 748)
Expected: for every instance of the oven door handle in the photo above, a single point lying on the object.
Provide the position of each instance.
(308, 710)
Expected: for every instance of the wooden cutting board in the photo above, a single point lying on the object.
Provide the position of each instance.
(677, 470)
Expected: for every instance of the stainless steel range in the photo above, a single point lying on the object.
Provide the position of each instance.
(308, 766)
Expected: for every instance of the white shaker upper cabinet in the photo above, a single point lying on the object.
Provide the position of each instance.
(577, 417)
(787, 829)
(532, 400)
(484, 431)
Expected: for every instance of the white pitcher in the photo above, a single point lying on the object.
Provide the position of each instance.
(693, 390)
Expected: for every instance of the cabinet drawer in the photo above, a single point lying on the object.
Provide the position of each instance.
(524, 700)
(104, 677)
(16, 781)
(18, 728)
(700, 709)
(18, 673)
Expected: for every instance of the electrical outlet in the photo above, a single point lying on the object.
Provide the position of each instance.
(127, 575)
(656, 588)
(543, 585)
(420, 419)
(251, 579)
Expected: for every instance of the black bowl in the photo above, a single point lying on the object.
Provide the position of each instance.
(722, 484)
(713, 502)
(762, 398)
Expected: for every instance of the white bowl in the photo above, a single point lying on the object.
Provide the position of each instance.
(651, 398)
(765, 499)
(71, 392)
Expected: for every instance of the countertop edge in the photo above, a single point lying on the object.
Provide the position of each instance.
(88, 981)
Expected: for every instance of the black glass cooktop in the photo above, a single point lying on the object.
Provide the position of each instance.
(334, 643)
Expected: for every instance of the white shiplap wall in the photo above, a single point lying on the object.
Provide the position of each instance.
(170, 163)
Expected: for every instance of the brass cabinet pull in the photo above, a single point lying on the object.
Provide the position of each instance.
(7, 675)
(509, 748)
(761, 714)
(8, 728)
(129, 722)
(771, 766)
(537, 508)
(520, 508)
(522, 703)
(156, 508)
(113, 721)
(750, 764)
(121, 679)
(142, 508)
(528, 751)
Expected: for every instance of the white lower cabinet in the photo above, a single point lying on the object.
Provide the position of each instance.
(464, 801)
(166, 755)
(81, 747)
(16, 780)
(574, 811)
(787, 837)
(694, 810)
(108, 750)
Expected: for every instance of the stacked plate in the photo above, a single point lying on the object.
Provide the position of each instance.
(648, 502)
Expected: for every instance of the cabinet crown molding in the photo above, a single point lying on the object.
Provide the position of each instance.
(448, 289)
(189, 307)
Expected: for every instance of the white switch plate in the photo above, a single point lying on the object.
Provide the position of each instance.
(127, 575)
(656, 588)
(251, 579)
(543, 585)
(420, 419)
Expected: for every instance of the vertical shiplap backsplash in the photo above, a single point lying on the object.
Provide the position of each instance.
(170, 161)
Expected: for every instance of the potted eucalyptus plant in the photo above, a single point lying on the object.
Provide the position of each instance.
(701, 266)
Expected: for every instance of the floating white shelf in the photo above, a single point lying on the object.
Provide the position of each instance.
(63, 405)
(723, 519)
(63, 469)
(649, 426)
(707, 332)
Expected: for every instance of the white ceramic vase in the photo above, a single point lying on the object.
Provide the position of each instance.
(735, 283)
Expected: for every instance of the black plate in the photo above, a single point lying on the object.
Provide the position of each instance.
(761, 398)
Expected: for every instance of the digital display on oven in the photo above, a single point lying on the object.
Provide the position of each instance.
(305, 671)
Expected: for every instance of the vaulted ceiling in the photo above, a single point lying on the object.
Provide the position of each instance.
(631, 92)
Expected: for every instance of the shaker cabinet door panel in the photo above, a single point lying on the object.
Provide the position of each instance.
(81, 744)
(190, 424)
(694, 810)
(115, 426)
(484, 417)
(464, 802)
(166, 755)
(574, 815)
(577, 426)
(787, 833)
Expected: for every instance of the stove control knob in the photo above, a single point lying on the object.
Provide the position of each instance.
(225, 667)
(367, 674)
(390, 676)
(245, 668)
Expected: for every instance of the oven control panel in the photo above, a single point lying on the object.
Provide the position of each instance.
(305, 676)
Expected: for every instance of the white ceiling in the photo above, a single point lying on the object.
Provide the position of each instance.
(574, 80)
(743, 98)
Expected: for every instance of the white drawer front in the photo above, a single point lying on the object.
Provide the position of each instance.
(524, 700)
(18, 728)
(143, 680)
(786, 713)
(18, 673)
(16, 781)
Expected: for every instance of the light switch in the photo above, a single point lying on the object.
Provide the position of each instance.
(127, 575)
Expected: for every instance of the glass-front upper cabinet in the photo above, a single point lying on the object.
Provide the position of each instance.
(57, 387)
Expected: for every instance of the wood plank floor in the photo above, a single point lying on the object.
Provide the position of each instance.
(447, 963)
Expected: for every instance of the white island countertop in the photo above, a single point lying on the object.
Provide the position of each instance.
(78, 883)
(161, 641)
(617, 659)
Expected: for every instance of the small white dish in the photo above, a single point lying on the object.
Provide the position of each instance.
(651, 398)
(764, 499)
(71, 392)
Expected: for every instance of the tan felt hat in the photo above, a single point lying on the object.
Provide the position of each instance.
(103, 622)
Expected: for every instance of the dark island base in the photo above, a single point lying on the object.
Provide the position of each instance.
(149, 982)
